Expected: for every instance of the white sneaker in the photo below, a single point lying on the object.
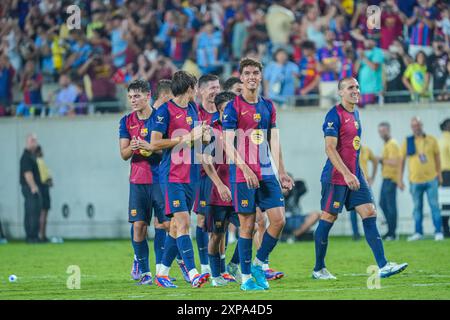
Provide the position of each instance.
(323, 274)
(439, 236)
(219, 282)
(415, 237)
(391, 268)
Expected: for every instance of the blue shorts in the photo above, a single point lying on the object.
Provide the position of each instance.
(202, 196)
(178, 197)
(267, 196)
(143, 199)
(335, 196)
(217, 218)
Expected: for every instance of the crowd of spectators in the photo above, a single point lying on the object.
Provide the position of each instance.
(306, 46)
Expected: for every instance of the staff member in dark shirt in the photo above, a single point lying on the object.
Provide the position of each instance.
(30, 181)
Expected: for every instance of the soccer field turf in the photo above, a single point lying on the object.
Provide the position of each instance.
(105, 272)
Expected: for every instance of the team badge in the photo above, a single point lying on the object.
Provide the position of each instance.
(176, 203)
(356, 142)
(189, 120)
(336, 204)
(144, 132)
(244, 203)
(257, 136)
(356, 125)
(218, 224)
(257, 117)
(133, 212)
(202, 203)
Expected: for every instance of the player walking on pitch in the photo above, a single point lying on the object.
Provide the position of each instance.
(343, 181)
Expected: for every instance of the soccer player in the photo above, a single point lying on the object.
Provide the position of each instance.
(134, 135)
(209, 87)
(175, 130)
(220, 208)
(233, 84)
(343, 181)
(251, 119)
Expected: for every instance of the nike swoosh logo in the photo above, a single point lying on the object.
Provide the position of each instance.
(179, 116)
(186, 251)
(281, 199)
(225, 116)
(347, 120)
(133, 127)
(243, 113)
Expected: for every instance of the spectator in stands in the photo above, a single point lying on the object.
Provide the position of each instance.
(279, 19)
(424, 167)
(162, 68)
(330, 58)
(437, 66)
(6, 84)
(370, 72)
(31, 84)
(314, 26)
(43, 47)
(65, 96)
(392, 21)
(359, 29)
(396, 60)
(240, 35)
(279, 78)
(422, 25)
(341, 29)
(444, 147)
(81, 100)
(417, 78)
(309, 75)
(207, 45)
(257, 31)
(118, 42)
(80, 51)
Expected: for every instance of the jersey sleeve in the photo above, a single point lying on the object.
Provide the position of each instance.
(332, 124)
(229, 117)
(273, 116)
(161, 121)
(123, 130)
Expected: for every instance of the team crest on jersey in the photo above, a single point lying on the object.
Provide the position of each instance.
(356, 125)
(257, 136)
(176, 203)
(189, 120)
(144, 132)
(133, 212)
(336, 204)
(244, 203)
(356, 142)
(203, 203)
(257, 117)
(218, 224)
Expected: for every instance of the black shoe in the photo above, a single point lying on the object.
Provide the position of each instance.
(356, 237)
(32, 240)
(45, 240)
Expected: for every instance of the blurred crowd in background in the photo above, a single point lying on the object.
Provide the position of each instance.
(306, 46)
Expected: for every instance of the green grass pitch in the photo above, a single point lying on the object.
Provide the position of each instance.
(105, 272)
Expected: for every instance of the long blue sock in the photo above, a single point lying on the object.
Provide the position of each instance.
(141, 252)
(214, 262)
(170, 251)
(202, 244)
(235, 257)
(267, 245)
(245, 254)
(374, 240)
(187, 252)
(132, 235)
(321, 240)
(160, 239)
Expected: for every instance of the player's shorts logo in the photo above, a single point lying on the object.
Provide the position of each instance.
(336, 204)
(356, 125)
(257, 117)
(244, 203)
(133, 212)
(356, 143)
(257, 136)
(176, 203)
(189, 120)
(218, 224)
(203, 203)
(144, 132)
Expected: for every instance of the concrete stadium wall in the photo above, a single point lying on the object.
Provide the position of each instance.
(83, 156)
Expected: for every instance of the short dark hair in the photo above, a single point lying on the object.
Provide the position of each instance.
(308, 45)
(139, 85)
(181, 82)
(164, 85)
(342, 81)
(385, 124)
(445, 125)
(230, 82)
(222, 97)
(249, 62)
(204, 79)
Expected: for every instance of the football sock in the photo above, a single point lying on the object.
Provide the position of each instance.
(235, 257)
(245, 254)
(374, 240)
(160, 239)
(214, 262)
(184, 243)
(202, 244)
(141, 251)
(267, 245)
(321, 241)
(170, 251)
